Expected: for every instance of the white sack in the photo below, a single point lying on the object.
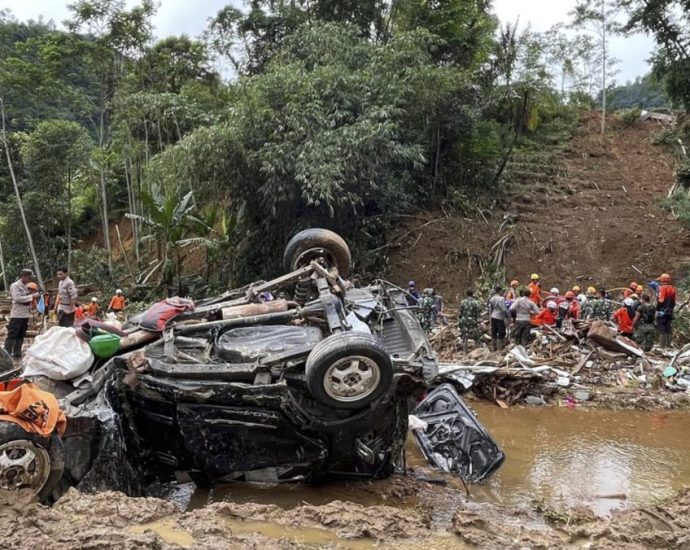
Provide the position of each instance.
(58, 354)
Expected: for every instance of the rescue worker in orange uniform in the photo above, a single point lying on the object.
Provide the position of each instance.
(117, 302)
(534, 288)
(547, 316)
(568, 309)
(623, 318)
(665, 304)
(93, 308)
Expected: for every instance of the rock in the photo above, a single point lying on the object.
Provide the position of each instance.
(535, 400)
(582, 395)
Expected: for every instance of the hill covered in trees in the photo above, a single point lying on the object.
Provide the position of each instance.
(339, 114)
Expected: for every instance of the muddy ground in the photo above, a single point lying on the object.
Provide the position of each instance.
(582, 214)
(113, 520)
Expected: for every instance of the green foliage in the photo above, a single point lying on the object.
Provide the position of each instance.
(643, 93)
(629, 117)
(683, 174)
(679, 206)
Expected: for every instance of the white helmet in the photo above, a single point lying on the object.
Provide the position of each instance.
(118, 291)
(555, 291)
(551, 304)
(628, 302)
(94, 299)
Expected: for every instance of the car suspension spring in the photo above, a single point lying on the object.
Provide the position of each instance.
(302, 291)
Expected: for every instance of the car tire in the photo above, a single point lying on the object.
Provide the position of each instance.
(348, 370)
(30, 461)
(310, 244)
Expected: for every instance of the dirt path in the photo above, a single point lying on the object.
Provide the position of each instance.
(587, 220)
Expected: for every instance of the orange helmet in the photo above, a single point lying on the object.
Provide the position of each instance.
(665, 278)
(633, 285)
(627, 292)
(569, 295)
(514, 282)
(32, 286)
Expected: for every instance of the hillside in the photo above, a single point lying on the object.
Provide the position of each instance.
(585, 212)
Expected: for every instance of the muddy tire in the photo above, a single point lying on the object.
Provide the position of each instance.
(29, 461)
(312, 244)
(348, 370)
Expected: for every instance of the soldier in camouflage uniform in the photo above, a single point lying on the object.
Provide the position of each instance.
(601, 308)
(645, 330)
(468, 318)
(426, 308)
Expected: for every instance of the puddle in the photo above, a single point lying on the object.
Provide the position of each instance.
(167, 532)
(602, 460)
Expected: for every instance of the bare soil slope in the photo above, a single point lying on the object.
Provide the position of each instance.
(585, 213)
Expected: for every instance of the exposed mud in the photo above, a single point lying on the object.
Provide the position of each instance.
(112, 520)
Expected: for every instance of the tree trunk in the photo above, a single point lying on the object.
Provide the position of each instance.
(69, 220)
(2, 266)
(603, 67)
(34, 256)
(104, 194)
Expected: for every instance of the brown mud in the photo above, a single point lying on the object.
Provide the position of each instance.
(588, 224)
(113, 520)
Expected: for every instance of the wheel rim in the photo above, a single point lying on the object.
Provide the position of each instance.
(314, 254)
(23, 465)
(352, 378)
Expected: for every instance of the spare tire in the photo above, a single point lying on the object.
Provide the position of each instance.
(29, 461)
(349, 370)
(312, 244)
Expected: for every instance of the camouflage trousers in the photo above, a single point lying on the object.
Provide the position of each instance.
(469, 331)
(646, 336)
(426, 321)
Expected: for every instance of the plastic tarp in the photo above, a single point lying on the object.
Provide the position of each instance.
(58, 354)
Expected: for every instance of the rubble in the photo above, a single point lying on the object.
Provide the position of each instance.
(587, 364)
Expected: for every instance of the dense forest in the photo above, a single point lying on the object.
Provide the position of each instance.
(285, 115)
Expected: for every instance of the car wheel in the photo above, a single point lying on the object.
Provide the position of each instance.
(349, 370)
(312, 244)
(29, 461)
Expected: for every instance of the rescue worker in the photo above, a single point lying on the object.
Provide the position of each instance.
(568, 309)
(547, 316)
(512, 293)
(579, 295)
(93, 309)
(438, 309)
(643, 323)
(426, 307)
(468, 318)
(623, 318)
(33, 287)
(118, 302)
(535, 289)
(67, 298)
(586, 306)
(601, 307)
(665, 304)
(413, 295)
(499, 317)
(22, 298)
(523, 309)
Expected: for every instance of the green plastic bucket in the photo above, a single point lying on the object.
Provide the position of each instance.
(105, 346)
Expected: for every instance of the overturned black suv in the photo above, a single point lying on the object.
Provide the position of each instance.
(300, 377)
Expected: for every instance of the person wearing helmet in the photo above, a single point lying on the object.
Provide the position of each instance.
(118, 302)
(499, 317)
(547, 316)
(555, 292)
(623, 319)
(93, 309)
(534, 287)
(413, 295)
(665, 305)
(643, 323)
(513, 292)
(425, 309)
(568, 309)
(22, 298)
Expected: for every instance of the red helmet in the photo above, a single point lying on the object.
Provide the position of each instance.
(633, 286)
(569, 295)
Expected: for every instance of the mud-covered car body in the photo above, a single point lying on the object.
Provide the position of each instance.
(235, 403)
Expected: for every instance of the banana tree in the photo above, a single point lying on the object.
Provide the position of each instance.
(170, 220)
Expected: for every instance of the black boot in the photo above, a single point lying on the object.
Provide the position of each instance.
(9, 345)
(18, 345)
(499, 344)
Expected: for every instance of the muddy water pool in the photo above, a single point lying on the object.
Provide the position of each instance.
(602, 460)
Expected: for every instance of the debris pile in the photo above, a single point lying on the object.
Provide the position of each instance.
(569, 366)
